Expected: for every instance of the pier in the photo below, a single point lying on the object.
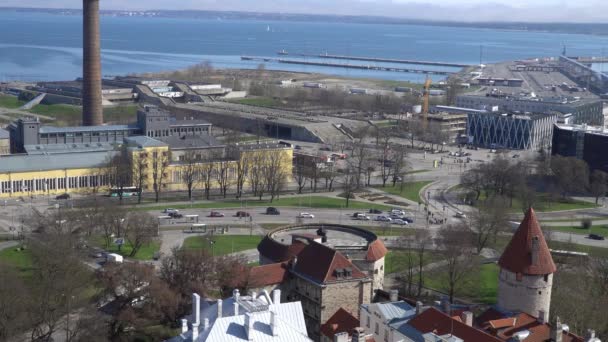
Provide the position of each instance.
(375, 59)
(348, 66)
(591, 60)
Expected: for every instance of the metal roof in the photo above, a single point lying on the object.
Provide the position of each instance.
(395, 310)
(43, 162)
(107, 128)
(143, 141)
(4, 134)
(69, 148)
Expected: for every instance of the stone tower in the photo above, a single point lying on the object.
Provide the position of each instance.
(92, 112)
(526, 271)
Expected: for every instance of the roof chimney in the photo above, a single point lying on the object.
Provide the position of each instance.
(219, 308)
(542, 317)
(236, 308)
(196, 308)
(358, 335)
(557, 331)
(445, 305)
(535, 250)
(418, 307)
(276, 297)
(206, 324)
(236, 294)
(467, 318)
(249, 326)
(184, 326)
(194, 332)
(590, 336)
(341, 337)
(394, 295)
(294, 262)
(273, 323)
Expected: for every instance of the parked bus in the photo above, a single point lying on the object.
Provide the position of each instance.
(127, 191)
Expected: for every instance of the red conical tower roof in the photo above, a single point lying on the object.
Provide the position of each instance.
(528, 253)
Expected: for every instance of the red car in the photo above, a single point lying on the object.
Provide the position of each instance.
(216, 214)
(242, 214)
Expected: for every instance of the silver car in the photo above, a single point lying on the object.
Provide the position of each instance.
(400, 222)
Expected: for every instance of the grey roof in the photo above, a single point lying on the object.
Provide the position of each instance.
(25, 163)
(191, 141)
(68, 148)
(143, 141)
(4, 134)
(396, 310)
(188, 123)
(107, 128)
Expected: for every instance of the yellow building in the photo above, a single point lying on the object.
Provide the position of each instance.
(86, 173)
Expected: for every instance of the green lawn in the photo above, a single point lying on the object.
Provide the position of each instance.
(224, 244)
(123, 114)
(546, 204)
(598, 252)
(20, 260)
(8, 101)
(397, 260)
(411, 190)
(146, 252)
(303, 202)
(482, 286)
(65, 115)
(601, 230)
(258, 101)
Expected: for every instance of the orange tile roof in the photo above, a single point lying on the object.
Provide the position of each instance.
(341, 321)
(433, 320)
(319, 262)
(261, 276)
(502, 323)
(376, 250)
(517, 257)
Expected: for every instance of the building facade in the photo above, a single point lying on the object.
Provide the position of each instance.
(583, 142)
(583, 111)
(511, 131)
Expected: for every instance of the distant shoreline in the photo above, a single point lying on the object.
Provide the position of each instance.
(599, 29)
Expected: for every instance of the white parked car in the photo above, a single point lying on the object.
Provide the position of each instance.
(362, 218)
(170, 211)
(400, 222)
(383, 219)
(397, 212)
(306, 215)
(460, 214)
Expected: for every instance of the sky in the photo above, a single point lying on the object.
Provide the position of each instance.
(455, 10)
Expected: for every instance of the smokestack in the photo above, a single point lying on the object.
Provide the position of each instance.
(92, 114)
(393, 295)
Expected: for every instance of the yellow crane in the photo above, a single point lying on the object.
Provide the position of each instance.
(425, 103)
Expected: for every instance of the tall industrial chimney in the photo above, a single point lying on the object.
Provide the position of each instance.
(92, 113)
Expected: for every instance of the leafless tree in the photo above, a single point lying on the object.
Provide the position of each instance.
(190, 171)
(349, 183)
(242, 165)
(139, 229)
(571, 174)
(491, 218)
(453, 89)
(13, 303)
(160, 164)
(599, 184)
(274, 172)
(222, 176)
(386, 164)
(118, 172)
(139, 166)
(207, 174)
(300, 171)
(329, 174)
(422, 243)
(454, 241)
(400, 165)
(256, 175)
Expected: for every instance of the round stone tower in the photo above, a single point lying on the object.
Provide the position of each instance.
(526, 271)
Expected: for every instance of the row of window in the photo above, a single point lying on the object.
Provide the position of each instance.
(48, 184)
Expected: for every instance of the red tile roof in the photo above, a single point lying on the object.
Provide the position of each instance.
(341, 321)
(271, 274)
(433, 320)
(523, 321)
(279, 252)
(319, 262)
(517, 257)
(502, 323)
(376, 250)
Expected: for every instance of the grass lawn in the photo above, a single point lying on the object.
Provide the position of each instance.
(8, 101)
(481, 287)
(20, 260)
(65, 115)
(546, 204)
(258, 101)
(601, 230)
(411, 190)
(224, 244)
(396, 260)
(120, 114)
(599, 252)
(303, 202)
(146, 252)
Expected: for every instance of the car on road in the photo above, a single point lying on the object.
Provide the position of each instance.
(242, 214)
(63, 197)
(298, 147)
(396, 212)
(596, 237)
(362, 217)
(175, 215)
(382, 218)
(400, 222)
(375, 211)
(170, 211)
(216, 214)
(324, 148)
(460, 214)
(272, 211)
(306, 215)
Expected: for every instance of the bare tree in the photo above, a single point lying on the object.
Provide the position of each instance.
(139, 166)
(453, 89)
(222, 176)
(13, 303)
(454, 241)
(491, 218)
(160, 164)
(275, 172)
(241, 167)
(256, 175)
(399, 165)
(190, 171)
(349, 183)
(111, 221)
(571, 174)
(207, 174)
(139, 229)
(422, 243)
(118, 172)
(329, 174)
(386, 164)
(300, 171)
(599, 184)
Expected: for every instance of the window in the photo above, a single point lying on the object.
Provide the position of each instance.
(377, 330)
(369, 323)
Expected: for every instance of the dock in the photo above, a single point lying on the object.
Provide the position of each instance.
(375, 59)
(348, 66)
(591, 60)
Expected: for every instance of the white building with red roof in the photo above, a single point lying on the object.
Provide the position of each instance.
(526, 271)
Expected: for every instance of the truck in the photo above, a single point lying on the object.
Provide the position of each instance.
(115, 258)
